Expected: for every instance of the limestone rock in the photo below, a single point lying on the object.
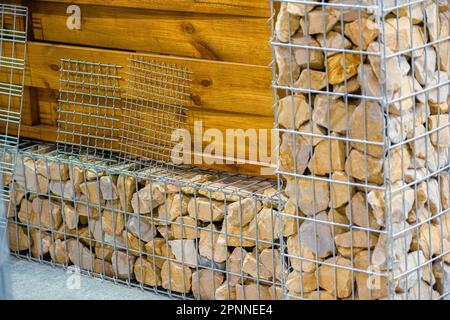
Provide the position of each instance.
(293, 111)
(206, 210)
(58, 252)
(147, 199)
(370, 286)
(113, 222)
(299, 9)
(123, 265)
(307, 57)
(312, 128)
(71, 217)
(184, 228)
(316, 236)
(398, 164)
(360, 213)
(422, 291)
(49, 212)
(319, 295)
(332, 113)
(225, 292)
(91, 190)
(63, 189)
(145, 272)
(294, 153)
(341, 193)
(314, 196)
(337, 277)
(413, 261)
(253, 291)
(336, 64)
(205, 282)
(86, 210)
(356, 239)
(339, 221)
(184, 251)
(367, 123)
(430, 239)
(285, 63)
(392, 73)
(425, 66)
(298, 250)
(329, 156)
(141, 227)
(79, 255)
(18, 238)
(108, 187)
(311, 80)
(352, 86)
(365, 29)
(286, 25)
(301, 282)
(253, 266)
(316, 21)
(444, 184)
(40, 243)
(53, 170)
(421, 147)
(175, 277)
(333, 40)
(441, 272)
(126, 186)
(441, 137)
(362, 167)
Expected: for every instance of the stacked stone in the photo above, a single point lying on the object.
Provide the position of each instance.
(207, 235)
(360, 169)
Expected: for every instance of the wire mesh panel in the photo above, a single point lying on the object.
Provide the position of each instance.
(89, 105)
(185, 232)
(361, 102)
(155, 100)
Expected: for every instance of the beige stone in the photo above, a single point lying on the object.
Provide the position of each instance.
(53, 170)
(441, 272)
(160, 249)
(336, 64)
(175, 277)
(225, 292)
(311, 80)
(293, 111)
(58, 252)
(205, 282)
(123, 265)
(440, 94)
(294, 153)
(430, 238)
(365, 168)
(108, 187)
(425, 66)
(71, 217)
(104, 252)
(319, 295)
(126, 186)
(206, 210)
(286, 24)
(341, 193)
(27, 215)
(253, 266)
(141, 227)
(184, 228)
(392, 72)
(361, 32)
(63, 189)
(421, 147)
(444, 184)
(243, 211)
(253, 291)
(235, 265)
(339, 221)
(287, 68)
(337, 280)
(360, 213)
(103, 267)
(113, 222)
(370, 86)
(330, 113)
(329, 156)
(85, 209)
(91, 190)
(147, 199)
(18, 238)
(184, 251)
(398, 34)
(176, 205)
(298, 252)
(146, 273)
(356, 239)
(402, 100)
(308, 57)
(316, 21)
(397, 164)
(80, 255)
(312, 128)
(367, 123)
(314, 196)
(352, 86)
(316, 236)
(441, 137)
(301, 282)
(41, 242)
(333, 40)
(299, 9)
(49, 212)
(369, 285)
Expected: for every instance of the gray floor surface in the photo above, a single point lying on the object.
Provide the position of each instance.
(36, 281)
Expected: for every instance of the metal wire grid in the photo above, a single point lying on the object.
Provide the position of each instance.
(361, 159)
(155, 99)
(195, 225)
(89, 105)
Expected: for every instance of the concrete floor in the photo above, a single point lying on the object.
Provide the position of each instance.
(36, 281)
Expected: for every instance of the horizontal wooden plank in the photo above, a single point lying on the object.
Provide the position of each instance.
(215, 85)
(212, 36)
(254, 8)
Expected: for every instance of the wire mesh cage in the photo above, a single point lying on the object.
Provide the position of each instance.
(185, 232)
(361, 103)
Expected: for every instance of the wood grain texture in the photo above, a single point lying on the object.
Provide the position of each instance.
(216, 85)
(251, 8)
(206, 36)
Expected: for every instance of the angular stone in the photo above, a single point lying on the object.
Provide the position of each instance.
(286, 25)
(444, 185)
(312, 128)
(141, 227)
(441, 271)
(268, 225)
(49, 212)
(363, 29)
(398, 34)
(430, 238)
(104, 252)
(253, 266)
(103, 267)
(316, 236)
(356, 239)
(27, 215)
(367, 123)
(307, 57)
(243, 211)
(301, 282)
(333, 40)
(370, 86)
(441, 137)
(147, 199)
(311, 80)
(206, 210)
(299, 9)
(413, 261)
(41, 242)
(288, 69)
(18, 238)
(225, 292)
(392, 73)
(71, 218)
(270, 259)
(402, 100)
(63, 189)
(329, 156)
(365, 168)
(253, 291)
(108, 187)
(53, 170)
(184, 251)
(337, 280)
(314, 197)
(297, 255)
(422, 292)
(293, 111)
(146, 273)
(58, 252)
(175, 277)
(316, 21)
(176, 206)
(113, 222)
(91, 190)
(123, 265)
(294, 157)
(159, 249)
(126, 186)
(425, 66)
(330, 113)
(79, 255)
(209, 247)
(86, 210)
(341, 193)
(398, 164)
(421, 147)
(352, 86)
(319, 295)
(205, 283)
(335, 66)
(184, 228)
(360, 213)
